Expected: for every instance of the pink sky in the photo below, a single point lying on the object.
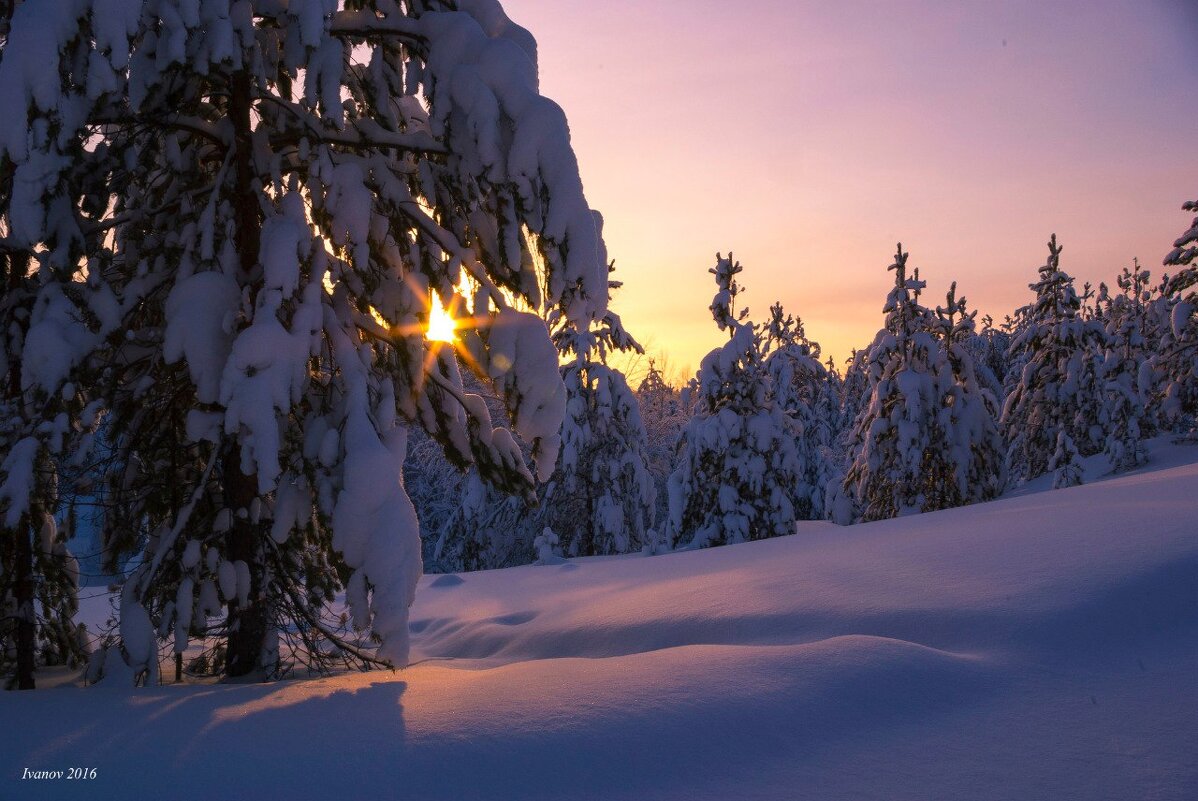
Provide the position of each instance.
(810, 137)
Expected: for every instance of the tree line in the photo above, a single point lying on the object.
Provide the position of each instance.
(938, 411)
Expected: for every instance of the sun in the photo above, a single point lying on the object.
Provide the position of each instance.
(441, 324)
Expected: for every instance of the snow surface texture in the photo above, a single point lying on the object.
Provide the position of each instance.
(1043, 646)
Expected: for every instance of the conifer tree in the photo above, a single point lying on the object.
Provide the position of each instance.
(808, 399)
(1127, 373)
(49, 323)
(900, 443)
(664, 417)
(976, 446)
(739, 476)
(854, 390)
(1177, 359)
(286, 185)
(988, 348)
(601, 497)
(487, 529)
(1058, 385)
(1065, 465)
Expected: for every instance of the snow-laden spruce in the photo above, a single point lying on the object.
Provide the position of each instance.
(854, 394)
(664, 414)
(602, 496)
(50, 321)
(976, 446)
(739, 475)
(1058, 384)
(486, 529)
(1129, 381)
(1177, 310)
(926, 438)
(804, 390)
(278, 190)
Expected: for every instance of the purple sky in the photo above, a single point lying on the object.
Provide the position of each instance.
(810, 137)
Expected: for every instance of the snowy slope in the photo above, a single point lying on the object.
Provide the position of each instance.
(1043, 646)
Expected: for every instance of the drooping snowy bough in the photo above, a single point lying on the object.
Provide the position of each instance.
(278, 189)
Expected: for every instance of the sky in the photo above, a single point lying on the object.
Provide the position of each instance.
(809, 138)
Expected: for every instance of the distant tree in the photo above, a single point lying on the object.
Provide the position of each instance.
(601, 497)
(435, 485)
(988, 348)
(487, 529)
(664, 415)
(804, 391)
(920, 442)
(1058, 387)
(1065, 465)
(976, 447)
(1127, 372)
(854, 391)
(739, 477)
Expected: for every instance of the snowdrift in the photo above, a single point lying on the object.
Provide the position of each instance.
(1043, 646)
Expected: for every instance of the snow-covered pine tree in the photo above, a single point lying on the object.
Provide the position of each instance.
(836, 382)
(487, 529)
(802, 389)
(1058, 384)
(435, 486)
(292, 182)
(854, 391)
(1177, 359)
(739, 476)
(988, 348)
(601, 497)
(901, 453)
(664, 416)
(976, 446)
(50, 320)
(1065, 464)
(1127, 373)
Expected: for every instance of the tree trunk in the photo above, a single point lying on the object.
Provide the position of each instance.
(247, 235)
(18, 264)
(247, 624)
(26, 623)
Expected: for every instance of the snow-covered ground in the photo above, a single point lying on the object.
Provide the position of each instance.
(1044, 646)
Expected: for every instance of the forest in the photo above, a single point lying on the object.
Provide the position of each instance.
(303, 300)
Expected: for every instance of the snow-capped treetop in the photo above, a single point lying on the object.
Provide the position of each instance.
(905, 315)
(1185, 248)
(1055, 296)
(723, 305)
